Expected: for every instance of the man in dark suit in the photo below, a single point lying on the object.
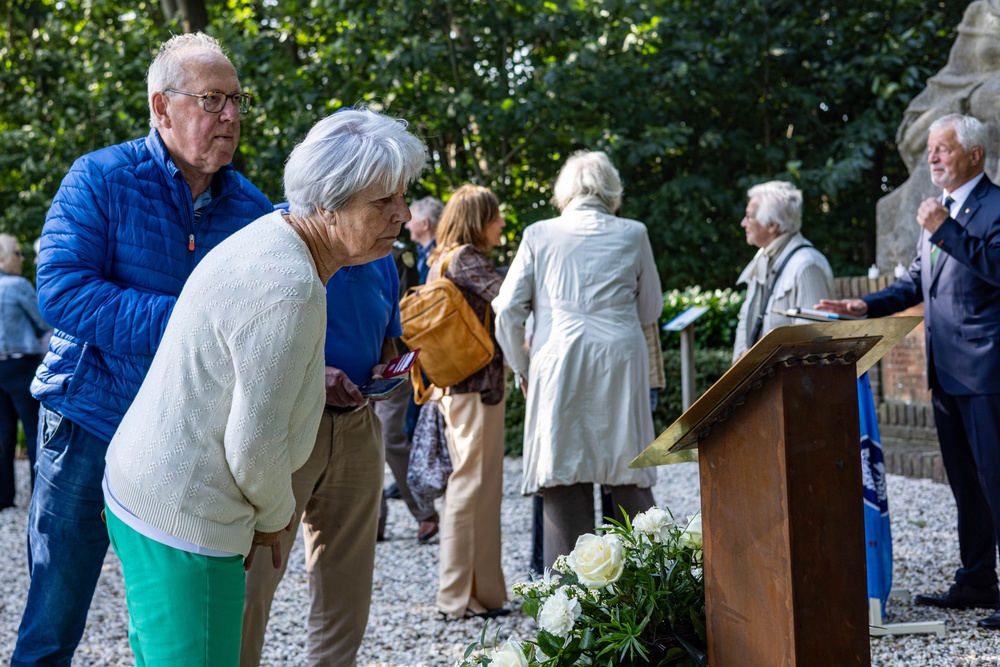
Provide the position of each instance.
(956, 274)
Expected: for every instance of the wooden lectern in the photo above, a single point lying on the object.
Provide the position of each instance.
(781, 495)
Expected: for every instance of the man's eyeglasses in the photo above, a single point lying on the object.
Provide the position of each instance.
(213, 102)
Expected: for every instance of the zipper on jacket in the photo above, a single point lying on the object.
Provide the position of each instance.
(191, 242)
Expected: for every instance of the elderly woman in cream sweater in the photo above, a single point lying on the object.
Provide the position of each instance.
(199, 472)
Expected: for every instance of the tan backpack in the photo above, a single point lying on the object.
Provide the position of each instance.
(453, 343)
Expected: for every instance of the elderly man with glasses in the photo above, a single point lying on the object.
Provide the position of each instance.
(125, 230)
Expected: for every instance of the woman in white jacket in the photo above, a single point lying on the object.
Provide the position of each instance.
(590, 281)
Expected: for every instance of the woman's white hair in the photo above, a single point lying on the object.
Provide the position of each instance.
(969, 131)
(778, 202)
(167, 69)
(347, 152)
(588, 173)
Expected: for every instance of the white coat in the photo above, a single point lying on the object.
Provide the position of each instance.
(590, 281)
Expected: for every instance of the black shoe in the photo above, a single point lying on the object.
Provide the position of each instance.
(392, 492)
(380, 532)
(960, 596)
(990, 622)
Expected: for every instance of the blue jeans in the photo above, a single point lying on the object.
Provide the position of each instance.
(67, 542)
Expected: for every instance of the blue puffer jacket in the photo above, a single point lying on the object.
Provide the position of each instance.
(119, 241)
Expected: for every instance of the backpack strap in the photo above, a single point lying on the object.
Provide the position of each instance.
(421, 390)
(444, 267)
(447, 260)
(768, 289)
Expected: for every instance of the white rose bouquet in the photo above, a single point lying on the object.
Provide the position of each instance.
(632, 595)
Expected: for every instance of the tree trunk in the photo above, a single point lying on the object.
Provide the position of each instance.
(193, 14)
(169, 8)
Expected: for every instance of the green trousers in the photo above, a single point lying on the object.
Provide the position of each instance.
(184, 609)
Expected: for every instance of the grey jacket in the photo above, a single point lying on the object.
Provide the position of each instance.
(21, 325)
(805, 280)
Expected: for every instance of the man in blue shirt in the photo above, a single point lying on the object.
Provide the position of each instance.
(337, 491)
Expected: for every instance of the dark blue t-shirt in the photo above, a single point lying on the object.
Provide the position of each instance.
(362, 310)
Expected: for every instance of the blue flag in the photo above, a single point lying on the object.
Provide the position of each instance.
(878, 537)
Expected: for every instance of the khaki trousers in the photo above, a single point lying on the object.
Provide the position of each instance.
(337, 496)
(568, 513)
(471, 578)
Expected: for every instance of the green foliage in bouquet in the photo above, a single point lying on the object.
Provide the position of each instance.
(630, 596)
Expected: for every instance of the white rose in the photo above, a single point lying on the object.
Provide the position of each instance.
(597, 560)
(509, 655)
(655, 523)
(692, 534)
(559, 613)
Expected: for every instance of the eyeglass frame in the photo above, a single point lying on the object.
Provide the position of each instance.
(204, 96)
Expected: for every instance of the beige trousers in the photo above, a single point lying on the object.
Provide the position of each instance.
(471, 577)
(337, 496)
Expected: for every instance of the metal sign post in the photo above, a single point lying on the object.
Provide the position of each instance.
(684, 323)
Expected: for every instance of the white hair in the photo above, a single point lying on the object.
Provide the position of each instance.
(969, 131)
(588, 173)
(167, 69)
(429, 208)
(778, 202)
(347, 152)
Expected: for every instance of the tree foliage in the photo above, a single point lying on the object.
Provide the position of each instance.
(694, 101)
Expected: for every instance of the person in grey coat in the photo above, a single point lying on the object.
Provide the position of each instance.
(787, 271)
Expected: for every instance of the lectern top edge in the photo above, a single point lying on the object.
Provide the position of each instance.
(859, 342)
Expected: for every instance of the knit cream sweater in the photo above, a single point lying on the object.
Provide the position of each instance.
(233, 399)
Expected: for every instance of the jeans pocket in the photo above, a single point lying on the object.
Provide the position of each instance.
(49, 422)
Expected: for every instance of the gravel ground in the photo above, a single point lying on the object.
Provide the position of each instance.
(404, 629)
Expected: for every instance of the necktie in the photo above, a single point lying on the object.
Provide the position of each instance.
(936, 250)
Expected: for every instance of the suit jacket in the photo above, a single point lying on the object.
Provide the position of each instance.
(961, 296)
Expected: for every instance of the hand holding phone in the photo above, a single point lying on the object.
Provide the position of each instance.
(382, 388)
(392, 380)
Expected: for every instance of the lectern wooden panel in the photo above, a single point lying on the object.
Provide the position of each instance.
(781, 493)
(799, 522)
